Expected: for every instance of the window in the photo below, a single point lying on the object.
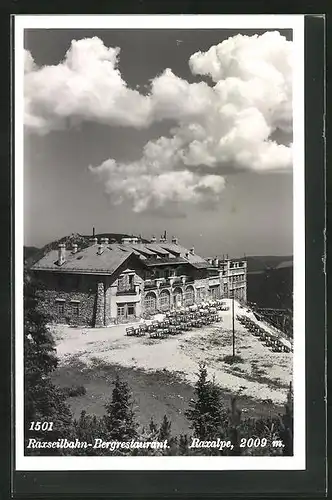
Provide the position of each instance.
(131, 309)
(75, 307)
(126, 283)
(177, 297)
(61, 307)
(164, 300)
(121, 310)
(150, 302)
(215, 292)
(189, 296)
(122, 283)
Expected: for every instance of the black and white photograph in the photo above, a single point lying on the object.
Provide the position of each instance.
(159, 241)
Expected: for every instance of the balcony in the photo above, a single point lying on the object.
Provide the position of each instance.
(149, 284)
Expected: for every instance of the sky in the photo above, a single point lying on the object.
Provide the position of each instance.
(187, 131)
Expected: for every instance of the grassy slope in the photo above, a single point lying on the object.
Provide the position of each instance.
(155, 394)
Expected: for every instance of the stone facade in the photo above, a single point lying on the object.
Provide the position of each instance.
(69, 304)
(100, 304)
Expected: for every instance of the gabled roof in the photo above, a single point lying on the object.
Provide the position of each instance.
(87, 260)
(84, 261)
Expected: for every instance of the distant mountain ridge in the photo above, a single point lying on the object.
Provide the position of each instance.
(264, 263)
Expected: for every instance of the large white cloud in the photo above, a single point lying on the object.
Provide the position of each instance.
(86, 85)
(221, 127)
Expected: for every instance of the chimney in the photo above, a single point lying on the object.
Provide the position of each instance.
(75, 248)
(175, 240)
(101, 247)
(192, 250)
(153, 239)
(93, 241)
(210, 262)
(93, 232)
(216, 262)
(61, 254)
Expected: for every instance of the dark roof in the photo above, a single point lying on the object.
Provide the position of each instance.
(86, 260)
(114, 254)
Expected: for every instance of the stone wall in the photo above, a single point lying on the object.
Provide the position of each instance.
(53, 301)
(65, 304)
(100, 304)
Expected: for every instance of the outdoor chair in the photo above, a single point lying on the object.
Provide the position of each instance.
(161, 332)
(172, 330)
(143, 329)
(130, 331)
(136, 331)
(154, 335)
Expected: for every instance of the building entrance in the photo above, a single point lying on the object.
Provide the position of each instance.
(126, 312)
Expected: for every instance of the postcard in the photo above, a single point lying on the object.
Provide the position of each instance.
(159, 242)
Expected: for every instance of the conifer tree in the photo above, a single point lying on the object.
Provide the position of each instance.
(165, 433)
(153, 426)
(165, 429)
(183, 444)
(206, 413)
(120, 421)
(87, 428)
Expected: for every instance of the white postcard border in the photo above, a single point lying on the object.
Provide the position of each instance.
(294, 22)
